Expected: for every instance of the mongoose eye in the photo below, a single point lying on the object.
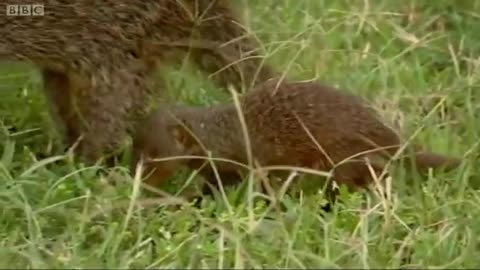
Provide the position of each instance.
(132, 53)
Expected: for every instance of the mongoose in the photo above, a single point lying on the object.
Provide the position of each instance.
(277, 116)
(96, 57)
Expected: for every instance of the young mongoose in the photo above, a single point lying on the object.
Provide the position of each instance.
(96, 57)
(302, 124)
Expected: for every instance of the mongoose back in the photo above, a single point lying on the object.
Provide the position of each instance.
(344, 128)
(97, 56)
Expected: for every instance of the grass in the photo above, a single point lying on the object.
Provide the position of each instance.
(411, 59)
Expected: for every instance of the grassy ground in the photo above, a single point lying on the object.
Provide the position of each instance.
(417, 61)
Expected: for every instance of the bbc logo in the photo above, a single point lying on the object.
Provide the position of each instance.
(25, 10)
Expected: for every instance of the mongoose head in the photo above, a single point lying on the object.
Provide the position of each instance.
(159, 143)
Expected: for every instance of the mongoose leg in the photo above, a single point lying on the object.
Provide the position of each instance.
(355, 174)
(57, 88)
(100, 113)
(227, 178)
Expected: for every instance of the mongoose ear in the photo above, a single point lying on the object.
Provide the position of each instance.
(182, 137)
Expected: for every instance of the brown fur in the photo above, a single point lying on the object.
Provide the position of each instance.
(97, 56)
(343, 125)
